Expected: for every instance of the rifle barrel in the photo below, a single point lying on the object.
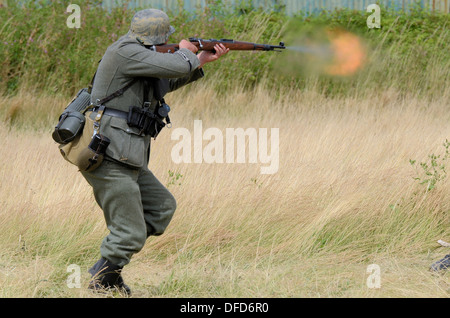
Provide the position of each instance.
(208, 45)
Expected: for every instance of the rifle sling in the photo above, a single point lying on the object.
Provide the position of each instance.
(117, 93)
(160, 88)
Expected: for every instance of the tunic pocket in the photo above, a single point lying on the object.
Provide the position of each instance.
(127, 145)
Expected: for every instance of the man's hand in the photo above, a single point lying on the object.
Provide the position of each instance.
(208, 56)
(185, 44)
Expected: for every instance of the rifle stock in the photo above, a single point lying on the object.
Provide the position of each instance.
(208, 45)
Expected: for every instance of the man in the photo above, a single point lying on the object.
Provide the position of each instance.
(442, 264)
(135, 204)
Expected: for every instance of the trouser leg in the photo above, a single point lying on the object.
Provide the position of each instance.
(117, 192)
(135, 205)
(158, 203)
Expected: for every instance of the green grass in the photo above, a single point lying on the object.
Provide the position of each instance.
(39, 53)
(344, 197)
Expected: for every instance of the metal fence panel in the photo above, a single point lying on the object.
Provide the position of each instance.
(291, 6)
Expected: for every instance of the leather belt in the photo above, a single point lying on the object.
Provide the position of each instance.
(113, 112)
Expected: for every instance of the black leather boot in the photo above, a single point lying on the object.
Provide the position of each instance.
(107, 276)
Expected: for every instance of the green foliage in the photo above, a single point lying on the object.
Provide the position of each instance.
(408, 53)
(39, 52)
(174, 178)
(430, 172)
(256, 182)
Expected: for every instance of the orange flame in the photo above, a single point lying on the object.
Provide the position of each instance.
(348, 53)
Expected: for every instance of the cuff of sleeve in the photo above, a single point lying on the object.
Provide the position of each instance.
(197, 74)
(191, 57)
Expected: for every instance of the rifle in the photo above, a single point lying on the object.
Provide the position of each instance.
(208, 45)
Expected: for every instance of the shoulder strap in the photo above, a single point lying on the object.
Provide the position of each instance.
(91, 84)
(118, 93)
(160, 88)
(146, 90)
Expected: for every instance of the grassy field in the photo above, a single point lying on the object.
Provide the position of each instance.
(362, 161)
(344, 197)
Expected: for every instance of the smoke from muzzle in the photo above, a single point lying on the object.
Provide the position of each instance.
(322, 51)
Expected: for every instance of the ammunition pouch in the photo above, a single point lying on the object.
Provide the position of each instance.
(149, 122)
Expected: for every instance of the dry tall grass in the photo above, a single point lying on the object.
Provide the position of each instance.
(344, 197)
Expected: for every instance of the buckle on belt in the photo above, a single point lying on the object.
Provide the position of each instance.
(99, 116)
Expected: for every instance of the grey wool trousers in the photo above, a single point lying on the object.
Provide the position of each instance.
(135, 206)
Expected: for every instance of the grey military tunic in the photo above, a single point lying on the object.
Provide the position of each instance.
(134, 203)
(123, 61)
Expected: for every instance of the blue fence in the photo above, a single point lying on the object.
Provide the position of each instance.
(290, 6)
